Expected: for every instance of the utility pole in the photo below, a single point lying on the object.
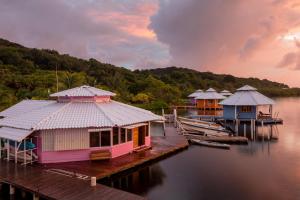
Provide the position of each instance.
(56, 78)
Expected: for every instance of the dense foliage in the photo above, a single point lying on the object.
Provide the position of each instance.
(31, 73)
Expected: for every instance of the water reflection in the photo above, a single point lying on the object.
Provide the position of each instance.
(263, 169)
(139, 181)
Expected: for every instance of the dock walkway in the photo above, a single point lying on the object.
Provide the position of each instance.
(48, 185)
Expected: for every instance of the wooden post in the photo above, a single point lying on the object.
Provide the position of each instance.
(235, 116)
(24, 148)
(236, 126)
(31, 152)
(111, 137)
(175, 117)
(251, 128)
(36, 197)
(245, 130)
(271, 110)
(93, 181)
(162, 112)
(8, 149)
(16, 152)
(11, 190)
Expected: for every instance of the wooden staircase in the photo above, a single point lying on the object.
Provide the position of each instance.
(100, 155)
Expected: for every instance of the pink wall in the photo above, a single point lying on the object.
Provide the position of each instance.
(84, 154)
(83, 99)
(121, 149)
(148, 141)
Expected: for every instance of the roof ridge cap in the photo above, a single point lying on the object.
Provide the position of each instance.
(88, 89)
(49, 116)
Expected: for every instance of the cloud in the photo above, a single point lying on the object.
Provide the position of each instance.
(205, 34)
(111, 31)
(292, 59)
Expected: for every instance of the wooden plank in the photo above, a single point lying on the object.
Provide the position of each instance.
(53, 186)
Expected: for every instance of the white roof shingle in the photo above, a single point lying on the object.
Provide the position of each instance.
(194, 94)
(247, 95)
(210, 94)
(83, 91)
(14, 133)
(225, 93)
(80, 115)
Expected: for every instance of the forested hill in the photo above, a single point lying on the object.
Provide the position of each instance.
(28, 73)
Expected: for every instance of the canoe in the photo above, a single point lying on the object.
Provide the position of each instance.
(210, 144)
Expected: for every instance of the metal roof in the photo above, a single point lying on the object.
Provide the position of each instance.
(79, 115)
(247, 88)
(14, 133)
(247, 95)
(25, 106)
(83, 91)
(210, 94)
(225, 93)
(194, 94)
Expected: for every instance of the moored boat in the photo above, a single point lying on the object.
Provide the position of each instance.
(203, 128)
(210, 144)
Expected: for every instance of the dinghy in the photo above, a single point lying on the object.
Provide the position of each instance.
(210, 144)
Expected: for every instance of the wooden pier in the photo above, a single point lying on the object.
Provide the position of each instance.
(72, 180)
(43, 184)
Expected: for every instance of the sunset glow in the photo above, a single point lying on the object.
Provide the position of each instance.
(159, 33)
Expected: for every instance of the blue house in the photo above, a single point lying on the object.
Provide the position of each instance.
(247, 103)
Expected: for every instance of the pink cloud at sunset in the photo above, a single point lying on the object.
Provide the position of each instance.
(255, 38)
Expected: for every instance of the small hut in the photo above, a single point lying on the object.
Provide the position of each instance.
(82, 123)
(247, 103)
(192, 96)
(209, 100)
(226, 93)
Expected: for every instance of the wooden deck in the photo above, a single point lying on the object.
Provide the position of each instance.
(161, 147)
(53, 186)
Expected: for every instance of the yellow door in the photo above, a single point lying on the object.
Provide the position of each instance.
(135, 132)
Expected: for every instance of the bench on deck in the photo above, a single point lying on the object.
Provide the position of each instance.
(100, 155)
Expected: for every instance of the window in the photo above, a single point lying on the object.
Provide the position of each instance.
(129, 135)
(123, 135)
(105, 138)
(147, 130)
(94, 139)
(246, 109)
(115, 135)
(210, 101)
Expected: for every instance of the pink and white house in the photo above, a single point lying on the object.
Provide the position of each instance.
(73, 126)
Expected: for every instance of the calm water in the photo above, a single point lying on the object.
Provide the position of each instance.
(260, 170)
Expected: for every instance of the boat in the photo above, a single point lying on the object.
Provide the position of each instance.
(200, 128)
(210, 144)
(202, 124)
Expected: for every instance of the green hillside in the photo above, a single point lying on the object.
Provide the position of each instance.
(31, 73)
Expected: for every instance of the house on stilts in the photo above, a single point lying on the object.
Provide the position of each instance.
(209, 100)
(247, 104)
(79, 124)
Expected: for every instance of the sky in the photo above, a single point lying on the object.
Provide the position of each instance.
(256, 38)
